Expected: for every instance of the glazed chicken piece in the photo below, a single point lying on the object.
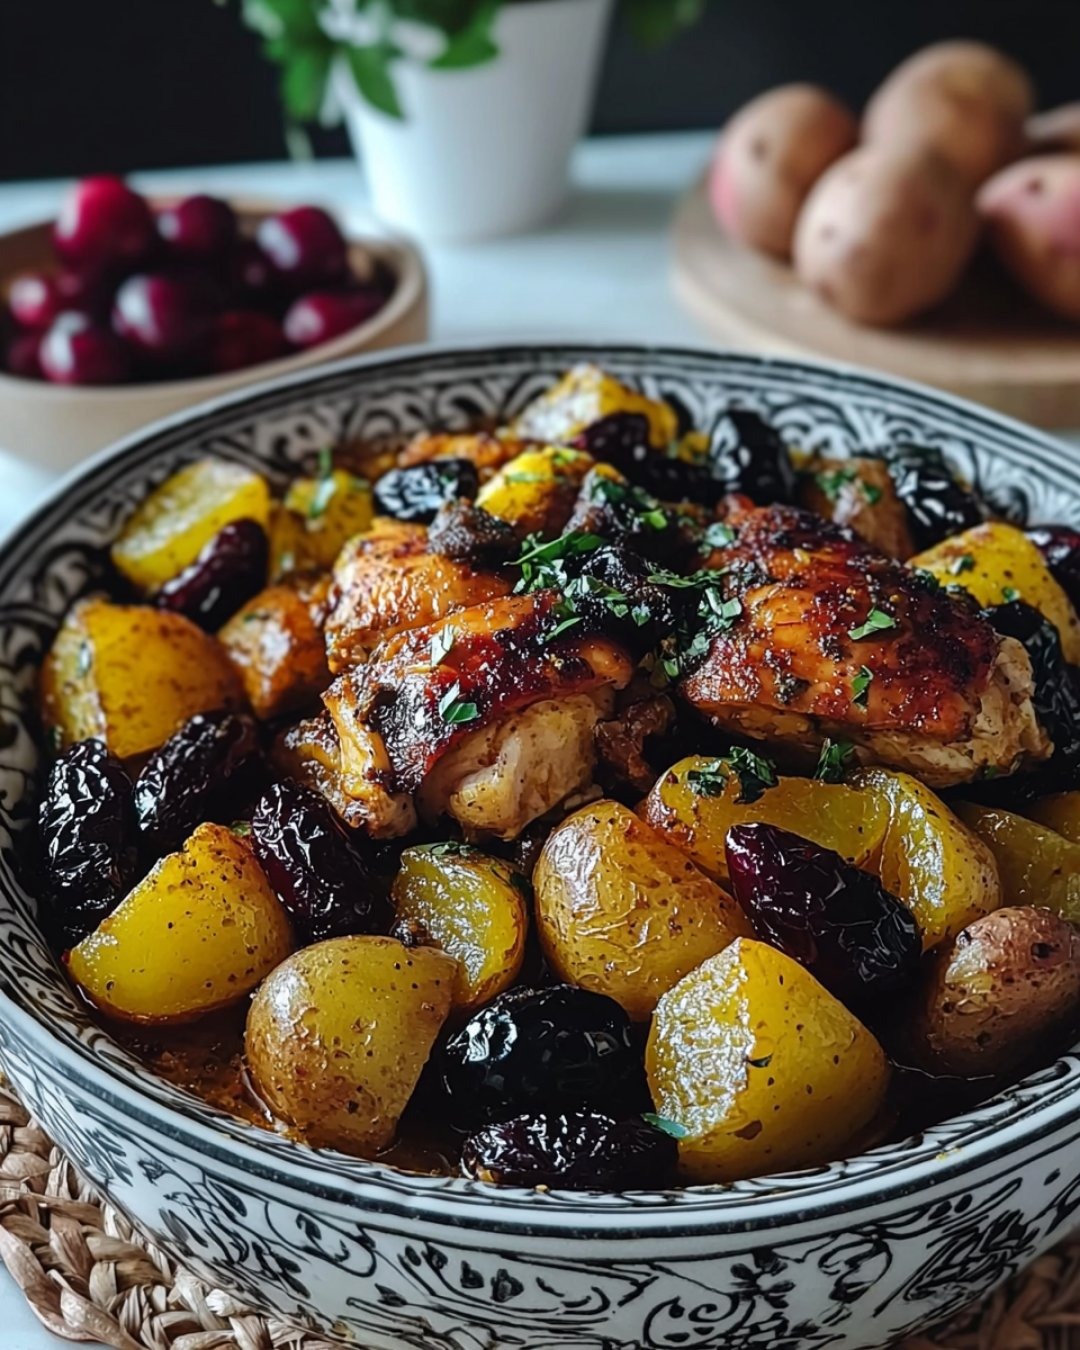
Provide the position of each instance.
(388, 580)
(835, 640)
(487, 715)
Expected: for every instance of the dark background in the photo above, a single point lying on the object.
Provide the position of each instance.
(95, 85)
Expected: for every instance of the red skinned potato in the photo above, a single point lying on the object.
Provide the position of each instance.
(884, 236)
(1054, 129)
(964, 100)
(768, 158)
(1032, 210)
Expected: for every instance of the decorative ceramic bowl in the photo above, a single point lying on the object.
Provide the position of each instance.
(849, 1255)
(57, 426)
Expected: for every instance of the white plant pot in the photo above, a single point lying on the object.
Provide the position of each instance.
(485, 151)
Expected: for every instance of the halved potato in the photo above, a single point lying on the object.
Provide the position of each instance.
(276, 646)
(338, 1035)
(997, 562)
(761, 1066)
(197, 933)
(621, 911)
(695, 803)
(169, 528)
(472, 907)
(131, 676)
(929, 859)
(1037, 865)
(536, 490)
(317, 519)
(583, 396)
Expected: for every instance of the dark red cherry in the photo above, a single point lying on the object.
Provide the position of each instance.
(76, 350)
(88, 290)
(323, 315)
(34, 300)
(244, 337)
(162, 317)
(304, 245)
(102, 222)
(252, 278)
(199, 228)
(22, 356)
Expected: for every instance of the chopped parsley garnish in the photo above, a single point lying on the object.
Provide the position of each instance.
(965, 563)
(543, 565)
(1009, 594)
(860, 686)
(755, 774)
(562, 627)
(666, 1126)
(678, 582)
(441, 643)
(325, 485)
(718, 535)
(926, 579)
(241, 828)
(877, 621)
(710, 780)
(454, 710)
(721, 613)
(833, 481)
(325, 462)
(637, 503)
(835, 759)
(871, 492)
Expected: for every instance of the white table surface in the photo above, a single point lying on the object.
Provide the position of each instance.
(600, 270)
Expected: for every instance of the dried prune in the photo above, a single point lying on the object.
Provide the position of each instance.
(937, 504)
(836, 920)
(1057, 705)
(575, 1151)
(417, 492)
(754, 461)
(551, 1048)
(626, 514)
(318, 872)
(88, 839)
(230, 569)
(467, 533)
(199, 774)
(612, 592)
(622, 439)
(1060, 547)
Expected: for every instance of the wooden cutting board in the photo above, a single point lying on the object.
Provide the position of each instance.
(986, 343)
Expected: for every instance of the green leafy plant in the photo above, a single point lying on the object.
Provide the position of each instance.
(296, 38)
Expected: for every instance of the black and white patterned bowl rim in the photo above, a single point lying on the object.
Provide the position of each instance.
(51, 557)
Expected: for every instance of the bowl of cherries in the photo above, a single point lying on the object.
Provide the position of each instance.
(125, 309)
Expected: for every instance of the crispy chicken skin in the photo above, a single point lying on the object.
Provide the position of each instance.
(947, 699)
(438, 691)
(387, 580)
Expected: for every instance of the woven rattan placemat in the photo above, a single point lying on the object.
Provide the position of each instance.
(89, 1277)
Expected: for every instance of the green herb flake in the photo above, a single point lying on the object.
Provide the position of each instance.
(834, 761)
(755, 774)
(710, 780)
(871, 492)
(1009, 594)
(833, 481)
(562, 627)
(241, 828)
(860, 686)
(321, 498)
(671, 1127)
(877, 621)
(718, 535)
(453, 710)
(441, 643)
(325, 462)
(965, 563)
(257, 616)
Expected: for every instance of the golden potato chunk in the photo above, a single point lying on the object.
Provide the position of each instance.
(583, 396)
(996, 562)
(338, 1034)
(276, 646)
(472, 907)
(1060, 813)
(1037, 865)
(1002, 993)
(929, 859)
(860, 493)
(696, 802)
(168, 530)
(761, 1066)
(623, 912)
(317, 519)
(131, 675)
(537, 490)
(197, 933)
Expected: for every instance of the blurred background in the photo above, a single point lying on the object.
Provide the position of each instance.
(134, 84)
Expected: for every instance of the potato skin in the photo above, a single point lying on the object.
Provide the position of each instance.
(1000, 993)
(963, 100)
(197, 933)
(621, 911)
(761, 1065)
(1032, 210)
(769, 156)
(131, 675)
(885, 235)
(275, 644)
(471, 906)
(338, 1034)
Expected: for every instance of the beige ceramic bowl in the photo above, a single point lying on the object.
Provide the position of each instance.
(56, 426)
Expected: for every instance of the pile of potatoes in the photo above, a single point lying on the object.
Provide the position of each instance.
(881, 219)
